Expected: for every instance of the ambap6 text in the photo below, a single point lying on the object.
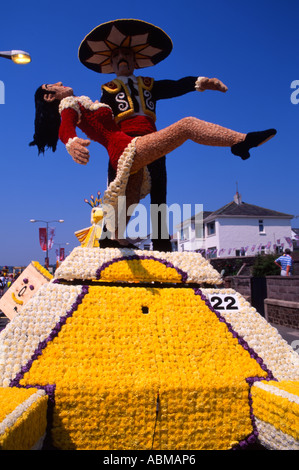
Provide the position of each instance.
(158, 459)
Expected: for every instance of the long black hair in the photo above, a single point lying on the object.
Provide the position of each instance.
(46, 123)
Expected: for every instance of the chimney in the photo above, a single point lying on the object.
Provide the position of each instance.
(237, 198)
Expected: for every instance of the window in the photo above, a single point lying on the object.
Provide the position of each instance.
(261, 226)
(185, 233)
(211, 228)
(198, 231)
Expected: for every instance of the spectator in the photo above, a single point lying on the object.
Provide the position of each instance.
(285, 263)
(3, 282)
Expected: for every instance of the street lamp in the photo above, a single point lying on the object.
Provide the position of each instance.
(18, 57)
(47, 222)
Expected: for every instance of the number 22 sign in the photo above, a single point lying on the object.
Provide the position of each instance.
(225, 302)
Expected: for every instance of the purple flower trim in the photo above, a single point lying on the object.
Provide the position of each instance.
(183, 274)
(41, 346)
(252, 437)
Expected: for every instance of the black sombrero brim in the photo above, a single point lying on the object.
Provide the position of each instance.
(150, 44)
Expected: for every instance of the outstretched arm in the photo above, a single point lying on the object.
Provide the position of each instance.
(164, 89)
(75, 146)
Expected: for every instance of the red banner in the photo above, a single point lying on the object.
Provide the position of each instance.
(61, 255)
(43, 238)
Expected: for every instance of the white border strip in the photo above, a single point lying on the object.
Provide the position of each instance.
(83, 263)
(278, 392)
(273, 439)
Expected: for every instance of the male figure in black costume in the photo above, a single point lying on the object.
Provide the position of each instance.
(136, 44)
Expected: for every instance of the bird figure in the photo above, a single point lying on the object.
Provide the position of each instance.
(89, 237)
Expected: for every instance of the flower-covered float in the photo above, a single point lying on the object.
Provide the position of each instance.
(23, 288)
(140, 350)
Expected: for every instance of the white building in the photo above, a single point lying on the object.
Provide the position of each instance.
(236, 229)
(295, 238)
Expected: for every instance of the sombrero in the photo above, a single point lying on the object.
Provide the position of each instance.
(150, 44)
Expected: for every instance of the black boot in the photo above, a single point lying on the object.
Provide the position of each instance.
(162, 245)
(252, 139)
(108, 243)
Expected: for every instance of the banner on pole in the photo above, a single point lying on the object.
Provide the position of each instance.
(43, 238)
(51, 238)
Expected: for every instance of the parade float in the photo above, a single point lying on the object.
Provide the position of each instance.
(23, 288)
(126, 349)
(142, 350)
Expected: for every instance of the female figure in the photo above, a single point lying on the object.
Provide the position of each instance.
(59, 113)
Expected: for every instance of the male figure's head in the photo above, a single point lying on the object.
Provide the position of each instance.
(123, 61)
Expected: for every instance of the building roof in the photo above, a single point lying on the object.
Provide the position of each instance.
(237, 208)
(243, 209)
(205, 214)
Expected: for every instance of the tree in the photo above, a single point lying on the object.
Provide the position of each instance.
(264, 266)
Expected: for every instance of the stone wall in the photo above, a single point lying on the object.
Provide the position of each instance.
(282, 302)
(282, 312)
(281, 305)
(283, 288)
(241, 284)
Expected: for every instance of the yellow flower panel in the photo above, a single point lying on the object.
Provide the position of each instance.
(10, 398)
(125, 345)
(204, 418)
(103, 416)
(143, 270)
(23, 418)
(275, 403)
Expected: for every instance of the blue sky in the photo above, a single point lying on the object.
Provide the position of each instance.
(251, 46)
